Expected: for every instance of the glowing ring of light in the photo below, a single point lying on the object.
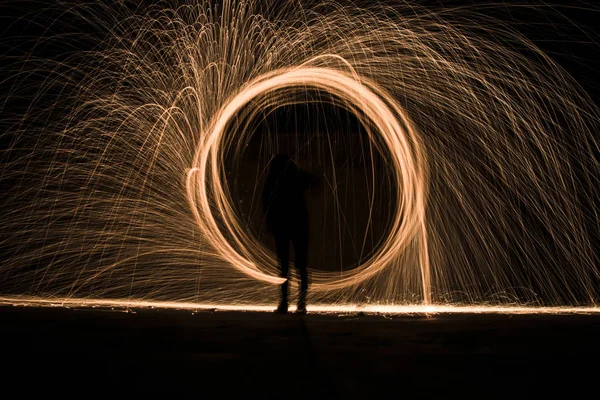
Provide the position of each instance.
(398, 134)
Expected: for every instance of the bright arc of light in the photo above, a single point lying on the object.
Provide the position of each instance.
(99, 206)
(409, 309)
(207, 196)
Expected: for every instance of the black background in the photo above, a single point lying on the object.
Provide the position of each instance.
(567, 31)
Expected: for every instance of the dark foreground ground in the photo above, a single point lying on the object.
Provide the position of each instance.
(87, 353)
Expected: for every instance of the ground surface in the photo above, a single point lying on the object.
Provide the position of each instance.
(89, 352)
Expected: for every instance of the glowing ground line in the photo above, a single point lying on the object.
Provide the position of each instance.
(408, 309)
(390, 121)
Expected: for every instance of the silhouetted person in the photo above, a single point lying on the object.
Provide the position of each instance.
(287, 219)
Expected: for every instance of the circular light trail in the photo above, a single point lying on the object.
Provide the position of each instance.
(373, 106)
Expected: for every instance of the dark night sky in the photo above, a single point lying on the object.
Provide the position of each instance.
(561, 28)
(567, 44)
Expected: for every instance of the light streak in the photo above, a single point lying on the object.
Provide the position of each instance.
(408, 309)
(119, 181)
(400, 138)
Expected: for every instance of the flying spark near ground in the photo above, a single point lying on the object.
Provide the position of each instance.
(119, 174)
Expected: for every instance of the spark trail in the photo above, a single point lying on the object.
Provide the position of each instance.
(117, 170)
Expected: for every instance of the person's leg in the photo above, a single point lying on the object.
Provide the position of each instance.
(301, 250)
(282, 247)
